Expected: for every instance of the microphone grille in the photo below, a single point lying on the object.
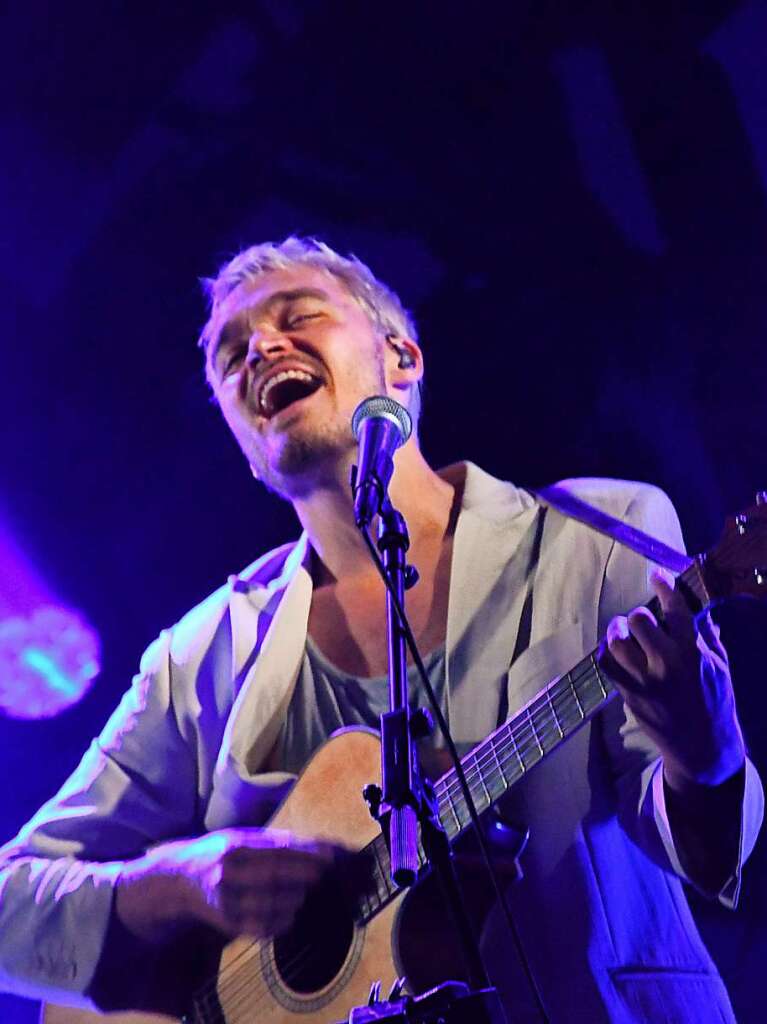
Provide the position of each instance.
(383, 406)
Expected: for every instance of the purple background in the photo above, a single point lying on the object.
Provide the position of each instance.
(572, 204)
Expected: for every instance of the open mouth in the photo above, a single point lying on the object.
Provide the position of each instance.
(284, 388)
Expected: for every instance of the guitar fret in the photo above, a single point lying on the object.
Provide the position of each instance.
(598, 674)
(554, 713)
(516, 751)
(452, 806)
(370, 906)
(575, 694)
(389, 885)
(366, 905)
(499, 766)
(382, 874)
(482, 779)
(534, 730)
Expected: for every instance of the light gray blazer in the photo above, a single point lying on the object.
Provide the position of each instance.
(601, 911)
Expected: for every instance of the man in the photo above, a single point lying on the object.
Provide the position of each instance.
(251, 682)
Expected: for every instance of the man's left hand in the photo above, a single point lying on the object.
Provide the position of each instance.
(674, 676)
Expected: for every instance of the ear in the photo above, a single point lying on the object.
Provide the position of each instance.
(404, 363)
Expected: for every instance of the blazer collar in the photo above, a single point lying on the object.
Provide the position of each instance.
(269, 621)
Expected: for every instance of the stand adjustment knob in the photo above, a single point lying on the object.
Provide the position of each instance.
(421, 724)
(373, 795)
(411, 576)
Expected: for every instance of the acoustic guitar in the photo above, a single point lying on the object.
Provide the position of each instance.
(357, 932)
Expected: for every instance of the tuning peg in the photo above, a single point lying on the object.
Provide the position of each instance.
(761, 497)
(375, 993)
(396, 990)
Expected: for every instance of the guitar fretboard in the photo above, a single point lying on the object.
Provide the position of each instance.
(501, 760)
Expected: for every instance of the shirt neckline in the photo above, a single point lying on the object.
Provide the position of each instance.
(314, 652)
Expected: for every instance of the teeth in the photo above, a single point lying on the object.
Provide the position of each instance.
(278, 378)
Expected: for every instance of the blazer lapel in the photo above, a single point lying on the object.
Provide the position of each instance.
(268, 638)
(488, 582)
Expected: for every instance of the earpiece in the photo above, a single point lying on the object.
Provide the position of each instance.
(406, 361)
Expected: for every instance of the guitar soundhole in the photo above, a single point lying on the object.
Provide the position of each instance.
(312, 953)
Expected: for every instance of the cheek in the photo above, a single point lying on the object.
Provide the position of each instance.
(233, 416)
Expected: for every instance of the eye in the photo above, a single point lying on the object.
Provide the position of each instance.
(296, 319)
(231, 361)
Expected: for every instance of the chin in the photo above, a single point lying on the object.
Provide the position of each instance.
(301, 461)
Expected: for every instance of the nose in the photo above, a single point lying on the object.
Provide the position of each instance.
(266, 343)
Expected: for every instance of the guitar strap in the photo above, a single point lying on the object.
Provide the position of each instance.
(559, 498)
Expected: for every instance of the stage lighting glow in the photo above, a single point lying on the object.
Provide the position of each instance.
(48, 661)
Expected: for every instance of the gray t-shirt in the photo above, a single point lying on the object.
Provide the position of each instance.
(326, 699)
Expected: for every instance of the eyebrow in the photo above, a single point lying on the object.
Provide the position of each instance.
(289, 295)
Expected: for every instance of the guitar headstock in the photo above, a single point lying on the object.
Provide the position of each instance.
(737, 565)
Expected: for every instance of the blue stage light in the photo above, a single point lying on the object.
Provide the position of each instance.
(48, 661)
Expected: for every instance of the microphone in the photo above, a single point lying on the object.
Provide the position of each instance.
(380, 426)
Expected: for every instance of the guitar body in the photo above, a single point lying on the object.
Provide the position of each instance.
(325, 803)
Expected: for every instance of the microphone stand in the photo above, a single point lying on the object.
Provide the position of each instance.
(407, 799)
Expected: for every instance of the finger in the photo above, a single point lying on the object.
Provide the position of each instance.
(658, 647)
(260, 927)
(261, 912)
(280, 839)
(624, 649)
(677, 619)
(261, 904)
(710, 633)
(250, 849)
(273, 868)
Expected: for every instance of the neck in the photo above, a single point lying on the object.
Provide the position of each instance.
(326, 514)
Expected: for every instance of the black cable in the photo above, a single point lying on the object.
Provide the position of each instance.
(444, 729)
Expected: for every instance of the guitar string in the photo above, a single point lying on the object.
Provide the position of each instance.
(244, 990)
(528, 729)
(561, 688)
(494, 751)
(243, 987)
(546, 703)
(253, 989)
(242, 983)
(207, 997)
(507, 738)
(515, 740)
(474, 770)
(536, 734)
(375, 902)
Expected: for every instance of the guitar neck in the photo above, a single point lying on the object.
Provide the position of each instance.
(551, 717)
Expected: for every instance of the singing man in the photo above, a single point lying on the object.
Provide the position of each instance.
(163, 830)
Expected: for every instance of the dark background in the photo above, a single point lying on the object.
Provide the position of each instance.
(570, 197)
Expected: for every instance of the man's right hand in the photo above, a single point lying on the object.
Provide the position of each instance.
(242, 881)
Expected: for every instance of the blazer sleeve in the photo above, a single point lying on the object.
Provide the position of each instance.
(635, 761)
(135, 786)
